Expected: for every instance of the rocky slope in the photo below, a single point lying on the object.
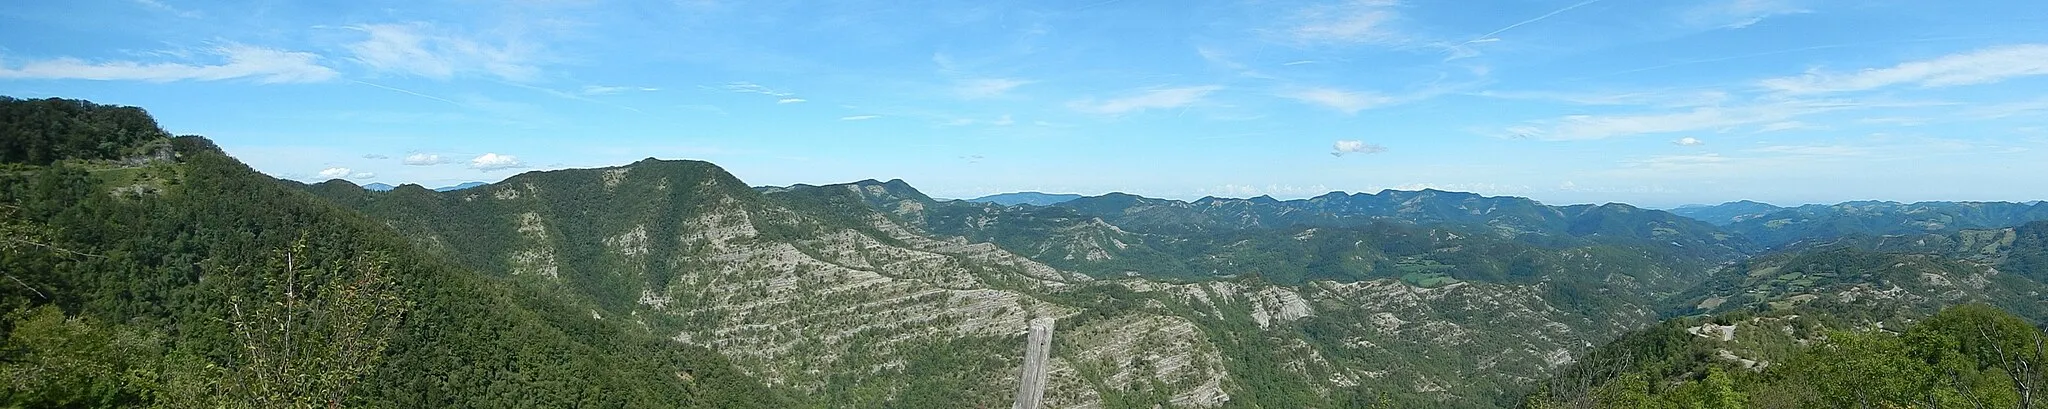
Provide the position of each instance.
(833, 290)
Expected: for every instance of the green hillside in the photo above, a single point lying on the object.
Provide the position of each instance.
(155, 271)
(152, 281)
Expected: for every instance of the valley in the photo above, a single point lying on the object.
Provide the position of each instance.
(676, 283)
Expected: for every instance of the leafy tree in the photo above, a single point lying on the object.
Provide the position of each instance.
(321, 330)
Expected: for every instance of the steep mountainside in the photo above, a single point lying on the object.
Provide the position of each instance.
(137, 260)
(147, 280)
(833, 291)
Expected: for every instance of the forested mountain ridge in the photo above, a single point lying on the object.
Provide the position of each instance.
(149, 280)
(673, 283)
(1776, 227)
(685, 249)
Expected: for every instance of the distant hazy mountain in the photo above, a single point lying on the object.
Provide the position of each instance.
(1726, 213)
(1030, 198)
(378, 187)
(1874, 218)
(457, 187)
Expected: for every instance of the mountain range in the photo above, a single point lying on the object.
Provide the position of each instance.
(665, 283)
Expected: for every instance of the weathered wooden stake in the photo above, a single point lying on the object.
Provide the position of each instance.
(1037, 347)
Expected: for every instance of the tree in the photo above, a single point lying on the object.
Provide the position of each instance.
(323, 329)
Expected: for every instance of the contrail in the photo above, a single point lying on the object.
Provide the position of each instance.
(1526, 22)
(408, 92)
(562, 94)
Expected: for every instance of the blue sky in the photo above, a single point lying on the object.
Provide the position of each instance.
(1656, 103)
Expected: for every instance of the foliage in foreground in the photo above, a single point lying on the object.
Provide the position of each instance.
(1973, 356)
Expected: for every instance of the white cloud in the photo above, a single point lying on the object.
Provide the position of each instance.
(1354, 22)
(412, 49)
(423, 159)
(790, 101)
(1983, 66)
(859, 117)
(1348, 102)
(1163, 98)
(1688, 141)
(492, 161)
(1342, 148)
(265, 65)
(1004, 121)
(375, 156)
(987, 87)
(344, 173)
(1740, 13)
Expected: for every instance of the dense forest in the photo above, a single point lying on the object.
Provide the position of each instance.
(1968, 356)
(190, 280)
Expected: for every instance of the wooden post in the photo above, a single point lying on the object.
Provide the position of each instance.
(1037, 348)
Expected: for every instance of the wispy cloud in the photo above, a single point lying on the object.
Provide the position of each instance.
(752, 88)
(1688, 141)
(1983, 66)
(492, 161)
(417, 49)
(376, 156)
(2037, 106)
(1223, 59)
(980, 88)
(264, 65)
(1740, 13)
(1585, 127)
(790, 101)
(1660, 98)
(1162, 98)
(1815, 150)
(859, 117)
(1787, 126)
(609, 90)
(160, 6)
(1342, 148)
(1351, 22)
(1348, 102)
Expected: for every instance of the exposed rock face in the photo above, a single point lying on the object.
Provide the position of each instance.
(854, 303)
